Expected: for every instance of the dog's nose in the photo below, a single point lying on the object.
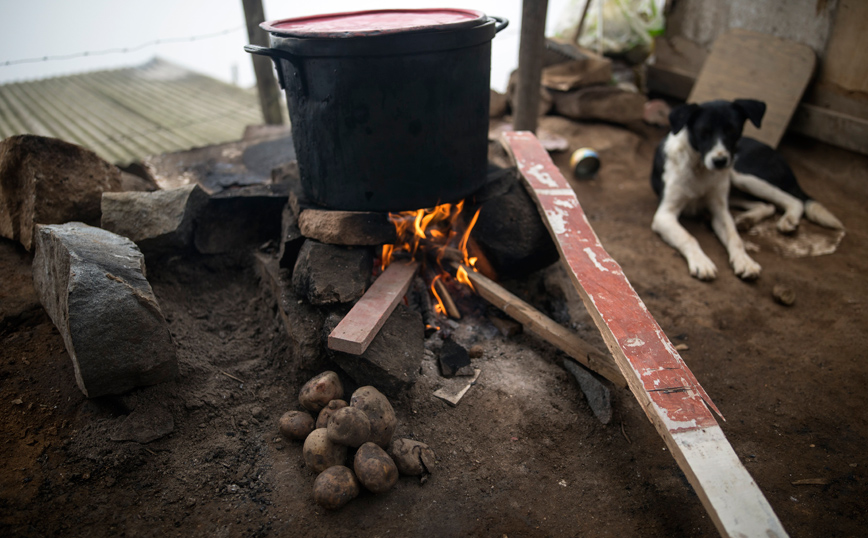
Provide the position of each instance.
(720, 162)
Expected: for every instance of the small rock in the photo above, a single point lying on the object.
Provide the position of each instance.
(452, 358)
(598, 395)
(352, 228)
(603, 102)
(476, 351)
(498, 104)
(92, 284)
(784, 295)
(159, 222)
(329, 274)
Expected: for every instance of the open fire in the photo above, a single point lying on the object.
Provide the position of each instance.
(431, 236)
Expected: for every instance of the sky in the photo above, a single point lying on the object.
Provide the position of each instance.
(34, 29)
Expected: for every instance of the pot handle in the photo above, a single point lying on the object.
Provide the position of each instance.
(276, 55)
(502, 23)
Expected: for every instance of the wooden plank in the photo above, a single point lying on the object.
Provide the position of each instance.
(546, 328)
(670, 395)
(359, 327)
(842, 130)
(750, 65)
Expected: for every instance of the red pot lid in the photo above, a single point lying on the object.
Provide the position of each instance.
(375, 22)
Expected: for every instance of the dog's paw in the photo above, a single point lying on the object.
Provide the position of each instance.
(745, 268)
(789, 223)
(702, 267)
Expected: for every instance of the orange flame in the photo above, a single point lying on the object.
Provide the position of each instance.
(461, 276)
(432, 230)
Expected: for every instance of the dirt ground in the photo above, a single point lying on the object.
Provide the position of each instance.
(521, 455)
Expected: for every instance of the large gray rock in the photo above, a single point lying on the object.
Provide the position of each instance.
(511, 234)
(92, 284)
(49, 181)
(330, 274)
(159, 222)
(391, 362)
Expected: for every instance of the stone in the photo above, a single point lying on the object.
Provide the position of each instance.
(498, 104)
(545, 96)
(240, 218)
(598, 395)
(573, 74)
(452, 357)
(302, 321)
(606, 103)
(511, 234)
(391, 363)
(330, 274)
(49, 181)
(291, 239)
(352, 228)
(784, 294)
(159, 222)
(92, 284)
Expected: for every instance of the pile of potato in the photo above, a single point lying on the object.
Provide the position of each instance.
(366, 424)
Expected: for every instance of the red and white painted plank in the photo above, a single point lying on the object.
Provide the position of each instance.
(671, 396)
(362, 323)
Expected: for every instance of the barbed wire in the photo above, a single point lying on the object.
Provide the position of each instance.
(121, 50)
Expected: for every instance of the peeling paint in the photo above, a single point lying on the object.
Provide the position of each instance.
(543, 177)
(593, 256)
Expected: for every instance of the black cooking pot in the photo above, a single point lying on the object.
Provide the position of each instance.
(389, 108)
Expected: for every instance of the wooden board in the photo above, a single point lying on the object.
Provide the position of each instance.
(670, 395)
(359, 327)
(750, 65)
(546, 328)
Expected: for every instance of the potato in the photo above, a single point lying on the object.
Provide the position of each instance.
(412, 457)
(320, 390)
(335, 487)
(374, 468)
(349, 426)
(322, 420)
(296, 425)
(320, 453)
(379, 411)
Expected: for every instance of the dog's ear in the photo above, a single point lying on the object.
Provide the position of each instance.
(680, 115)
(752, 109)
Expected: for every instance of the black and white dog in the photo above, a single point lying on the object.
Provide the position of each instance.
(694, 167)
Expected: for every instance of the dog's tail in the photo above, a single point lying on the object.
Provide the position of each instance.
(817, 213)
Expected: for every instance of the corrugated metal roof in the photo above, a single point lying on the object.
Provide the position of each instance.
(127, 114)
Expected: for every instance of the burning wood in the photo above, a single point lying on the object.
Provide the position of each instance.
(426, 235)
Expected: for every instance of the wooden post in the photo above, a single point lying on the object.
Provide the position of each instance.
(266, 83)
(530, 58)
(670, 395)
